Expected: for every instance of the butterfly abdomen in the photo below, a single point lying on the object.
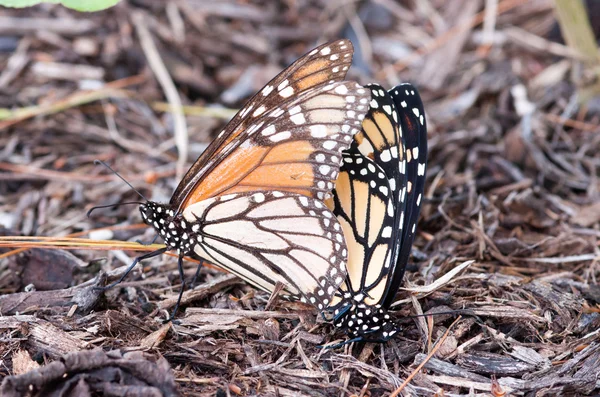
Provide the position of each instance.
(369, 323)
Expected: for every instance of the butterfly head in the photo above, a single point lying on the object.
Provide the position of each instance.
(171, 226)
(365, 323)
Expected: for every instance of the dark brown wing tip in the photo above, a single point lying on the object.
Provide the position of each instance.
(340, 45)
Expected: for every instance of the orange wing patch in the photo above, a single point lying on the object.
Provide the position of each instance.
(387, 130)
(280, 177)
(323, 67)
(311, 68)
(298, 150)
(290, 152)
(285, 167)
(227, 173)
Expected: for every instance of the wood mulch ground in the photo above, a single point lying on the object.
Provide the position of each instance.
(512, 196)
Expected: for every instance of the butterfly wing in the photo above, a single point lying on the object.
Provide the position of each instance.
(366, 212)
(304, 110)
(368, 202)
(414, 131)
(296, 150)
(376, 200)
(269, 237)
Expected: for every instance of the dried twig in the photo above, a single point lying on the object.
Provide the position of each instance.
(162, 75)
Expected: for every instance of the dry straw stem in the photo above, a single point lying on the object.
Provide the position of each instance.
(73, 243)
(113, 89)
(191, 110)
(166, 82)
(575, 26)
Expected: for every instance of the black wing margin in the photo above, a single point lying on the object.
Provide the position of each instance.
(411, 117)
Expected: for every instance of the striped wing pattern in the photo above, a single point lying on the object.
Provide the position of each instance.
(253, 202)
(270, 237)
(376, 200)
(369, 201)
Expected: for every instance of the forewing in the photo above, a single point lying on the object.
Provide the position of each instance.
(380, 137)
(296, 148)
(325, 64)
(270, 237)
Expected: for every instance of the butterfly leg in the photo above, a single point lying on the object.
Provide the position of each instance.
(182, 279)
(150, 243)
(342, 312)
(196, 275)
(135, 262)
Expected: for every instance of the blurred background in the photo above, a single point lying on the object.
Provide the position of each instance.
(513, 107)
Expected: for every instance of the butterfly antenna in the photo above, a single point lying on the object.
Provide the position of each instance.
(97, 162)
(111, 205)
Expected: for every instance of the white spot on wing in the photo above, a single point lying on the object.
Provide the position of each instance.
(329, 145)
(298, 119)
(318, 131)
(385, 155)
(267, 90)
(283, 84)
(286, 92)
(341, 89)
(281, 136)
(259, 111)
(258, 197)
(270, 130)
(386, 232)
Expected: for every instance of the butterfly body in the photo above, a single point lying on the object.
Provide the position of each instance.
(252, 203)
(169, 226)
(315, 185)
(366, 323)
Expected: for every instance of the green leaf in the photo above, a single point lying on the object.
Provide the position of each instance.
(24, 3)
(89, 5)
(78, 5)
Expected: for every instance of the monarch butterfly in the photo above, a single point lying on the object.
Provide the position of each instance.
(253, 201)
(377, 201)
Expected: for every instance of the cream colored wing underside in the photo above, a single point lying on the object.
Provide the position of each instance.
(270, 237)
